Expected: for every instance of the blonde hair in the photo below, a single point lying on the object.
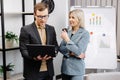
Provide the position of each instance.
(80, 15)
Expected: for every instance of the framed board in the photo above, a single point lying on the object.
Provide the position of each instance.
(101, 24)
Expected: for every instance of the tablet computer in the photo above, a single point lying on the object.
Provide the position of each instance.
(38, 49)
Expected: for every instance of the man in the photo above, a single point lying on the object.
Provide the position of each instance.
(38, 32)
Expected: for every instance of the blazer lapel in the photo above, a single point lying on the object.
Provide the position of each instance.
(47, 34)
(77, 34)
(36, 33)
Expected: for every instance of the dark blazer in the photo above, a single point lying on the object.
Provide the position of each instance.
(29, 35)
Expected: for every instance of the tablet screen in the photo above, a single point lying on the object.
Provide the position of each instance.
(38, 49)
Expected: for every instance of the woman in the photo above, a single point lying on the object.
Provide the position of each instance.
(73, 47)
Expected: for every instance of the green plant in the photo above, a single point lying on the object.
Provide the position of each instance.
(11, 36)
(9, 67)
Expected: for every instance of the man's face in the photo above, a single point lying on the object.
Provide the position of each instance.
(41, 17)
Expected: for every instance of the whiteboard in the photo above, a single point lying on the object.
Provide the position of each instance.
(101, 50)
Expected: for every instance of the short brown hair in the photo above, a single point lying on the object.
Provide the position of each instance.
(40, 6)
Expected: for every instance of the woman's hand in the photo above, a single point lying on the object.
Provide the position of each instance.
(82, 55)
(64, 36)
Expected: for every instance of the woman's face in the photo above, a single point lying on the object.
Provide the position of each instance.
(73, 20)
